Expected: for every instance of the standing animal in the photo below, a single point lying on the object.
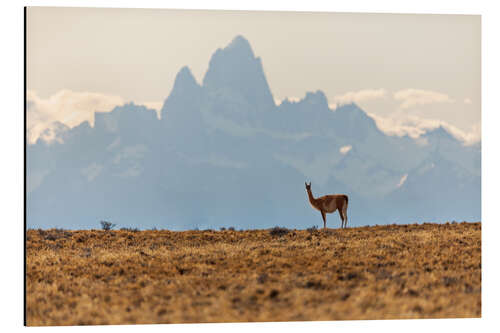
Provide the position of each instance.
(329, 204)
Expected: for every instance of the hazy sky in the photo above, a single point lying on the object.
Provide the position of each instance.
(410, 72)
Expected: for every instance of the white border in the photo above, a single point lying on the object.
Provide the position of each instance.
(12, 156)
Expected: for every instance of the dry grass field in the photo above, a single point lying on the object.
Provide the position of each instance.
(159, 276)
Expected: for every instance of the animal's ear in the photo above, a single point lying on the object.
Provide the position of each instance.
(305, 183)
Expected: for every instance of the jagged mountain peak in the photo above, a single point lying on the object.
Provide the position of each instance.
(350, 120)
(316, 98)
(350, 107)
(184, 78)
(184, 83)
(439, 133)
(236, 54)
(130, 106)
(235, 70)
(351, 111)
(128, 115)
(186, 90)
(240, 44)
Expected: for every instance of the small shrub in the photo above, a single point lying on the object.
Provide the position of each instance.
(312, 229)
(278, 231)
(130, 229)
(274, 293)
(329, 232)
(55, 234)
(51, 237)
(230, 228)
(222, 229)
(105, 225)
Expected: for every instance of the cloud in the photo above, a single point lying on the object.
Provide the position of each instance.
(414, 97)
(401, 124)
(358, 96)
(92, 171)
(292, 99)
(402, 180)
(469, 138)
(278, 101)
(67, 107)
(345, 149)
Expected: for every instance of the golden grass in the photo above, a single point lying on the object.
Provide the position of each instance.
(381, 272)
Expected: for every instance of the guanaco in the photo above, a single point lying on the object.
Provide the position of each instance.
(329, 204)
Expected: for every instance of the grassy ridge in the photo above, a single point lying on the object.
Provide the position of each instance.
(125, 277)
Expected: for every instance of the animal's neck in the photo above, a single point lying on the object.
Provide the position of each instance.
(311, 198)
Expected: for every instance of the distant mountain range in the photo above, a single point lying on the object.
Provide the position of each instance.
(224, 154)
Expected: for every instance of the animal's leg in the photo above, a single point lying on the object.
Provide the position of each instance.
(344, 209)
(341, 218)
(323, 214)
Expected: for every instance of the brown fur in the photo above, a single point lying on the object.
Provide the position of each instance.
(329, 204)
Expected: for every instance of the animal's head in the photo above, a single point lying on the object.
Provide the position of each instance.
(308, 186)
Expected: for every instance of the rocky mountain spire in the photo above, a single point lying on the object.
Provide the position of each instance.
(235, 70)
(185, 92)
